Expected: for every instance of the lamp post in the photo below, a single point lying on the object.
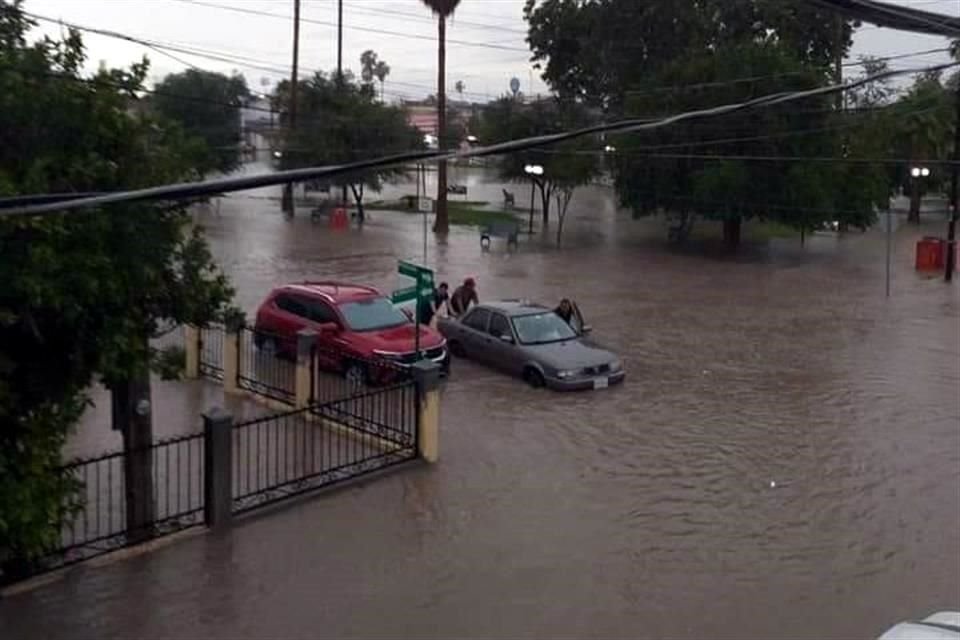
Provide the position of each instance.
(915, 197)
(534, 171)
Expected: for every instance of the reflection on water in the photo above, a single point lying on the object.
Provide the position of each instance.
(783, 460)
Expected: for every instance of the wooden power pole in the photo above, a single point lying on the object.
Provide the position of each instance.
(287, 203)
(343, 188)
(954, 195)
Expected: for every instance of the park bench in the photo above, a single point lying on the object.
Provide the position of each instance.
(508, 199)
(508, 230)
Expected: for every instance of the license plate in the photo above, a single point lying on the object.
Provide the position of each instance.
(601, 383)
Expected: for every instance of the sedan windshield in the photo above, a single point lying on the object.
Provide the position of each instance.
(372, 314)
(541, 328)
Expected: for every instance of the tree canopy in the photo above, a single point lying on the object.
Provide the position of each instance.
(599, 50)
(207, 105)
(339, 123)
(566, 166)
(81, 291)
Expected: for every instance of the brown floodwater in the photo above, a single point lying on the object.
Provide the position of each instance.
(783, 460)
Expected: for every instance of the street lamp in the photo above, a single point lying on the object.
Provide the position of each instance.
(534, 171)
(915, 196)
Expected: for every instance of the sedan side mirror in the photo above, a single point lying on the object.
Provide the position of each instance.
(507, 338)
(585, 329)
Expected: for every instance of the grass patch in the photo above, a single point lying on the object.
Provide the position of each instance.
(461, 212)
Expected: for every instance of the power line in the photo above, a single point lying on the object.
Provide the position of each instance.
(423, 18)
(209, 187)
(747, 79)
(399, 34)
(230, 58)
(760, 158)
(898, 17)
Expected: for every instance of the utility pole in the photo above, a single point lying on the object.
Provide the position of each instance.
(838, 60)
(440, 224)
(339, 39)
(954, 196)
(343, 190)
(287, 203)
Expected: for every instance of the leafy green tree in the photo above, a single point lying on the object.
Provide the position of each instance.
(83, 291)
(705, 167)
(599, 52)
(923, 125)
(207, 105)
(345, 123)
(566, 166)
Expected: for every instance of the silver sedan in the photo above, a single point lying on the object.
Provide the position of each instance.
(532, 342)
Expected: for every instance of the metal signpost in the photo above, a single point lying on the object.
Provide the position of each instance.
(421, 290)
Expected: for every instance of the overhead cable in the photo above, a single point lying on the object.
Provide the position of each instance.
(210, 187)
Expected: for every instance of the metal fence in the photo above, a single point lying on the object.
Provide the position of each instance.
(100, 523)
(280, 456)
(211, 351)
(336, 375)
(266, 365)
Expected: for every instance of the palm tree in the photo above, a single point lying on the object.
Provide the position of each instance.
(442, 9)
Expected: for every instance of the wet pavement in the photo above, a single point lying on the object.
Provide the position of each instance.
(783, 460)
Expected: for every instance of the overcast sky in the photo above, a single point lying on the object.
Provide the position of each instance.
(486, 39)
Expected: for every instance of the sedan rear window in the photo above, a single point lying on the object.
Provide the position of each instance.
(542, 328)
(372, 314)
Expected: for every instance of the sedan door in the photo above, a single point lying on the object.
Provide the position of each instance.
(501, 345)
(473, 334)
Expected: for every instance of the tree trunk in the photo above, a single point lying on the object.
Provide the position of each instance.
(133, 417)
(358, 198)
(731, 232)
(545, 202)
(441, 223)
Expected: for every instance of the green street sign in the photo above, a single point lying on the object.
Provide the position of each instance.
(412, 270)
(423, 287)
(407, 294)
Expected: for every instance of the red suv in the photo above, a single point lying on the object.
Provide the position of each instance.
(355, 324)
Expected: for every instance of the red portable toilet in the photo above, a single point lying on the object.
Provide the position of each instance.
(339, 220)
(931, 254)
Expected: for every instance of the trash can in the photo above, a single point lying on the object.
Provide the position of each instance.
(931, 254)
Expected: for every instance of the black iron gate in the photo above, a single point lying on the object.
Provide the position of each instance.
(279, 456)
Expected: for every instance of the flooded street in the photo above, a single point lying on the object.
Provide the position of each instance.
(782, 461)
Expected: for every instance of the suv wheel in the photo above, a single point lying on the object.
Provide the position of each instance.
(265, 342)
(356, 376)
(534, 378)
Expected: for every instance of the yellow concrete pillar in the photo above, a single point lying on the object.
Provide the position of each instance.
(191, 348)
(231, 359)
(426, 374)
(306, 340)
(429, 426)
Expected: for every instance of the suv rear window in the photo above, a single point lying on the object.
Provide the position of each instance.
(372, 314)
